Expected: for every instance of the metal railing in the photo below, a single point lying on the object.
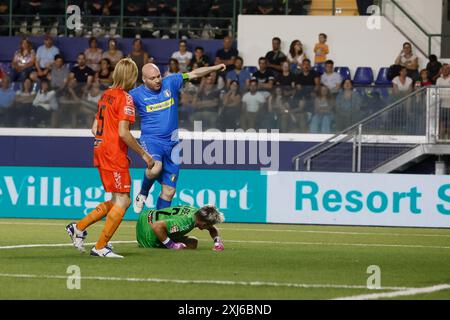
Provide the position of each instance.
(420, 117)
(427, 43)
(11, 21)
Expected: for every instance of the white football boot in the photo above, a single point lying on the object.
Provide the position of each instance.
(104, 253)
(139, 203)
(76, 236)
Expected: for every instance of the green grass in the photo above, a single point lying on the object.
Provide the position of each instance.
(313, 255)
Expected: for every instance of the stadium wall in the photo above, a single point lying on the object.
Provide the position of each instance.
(351, 42)
(243, 196)
(52, 177)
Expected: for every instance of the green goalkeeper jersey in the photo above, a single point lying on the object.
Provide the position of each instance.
(180, 220)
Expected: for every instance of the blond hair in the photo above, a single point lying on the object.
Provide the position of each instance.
(125, 74)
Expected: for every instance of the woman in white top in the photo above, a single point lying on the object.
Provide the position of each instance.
(408, 59)
(402, 84)
(296, 56)
(113, 53)
(93, 55)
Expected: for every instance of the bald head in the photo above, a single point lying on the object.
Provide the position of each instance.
(151, 76)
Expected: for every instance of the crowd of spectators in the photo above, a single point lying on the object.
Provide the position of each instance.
(285, 91)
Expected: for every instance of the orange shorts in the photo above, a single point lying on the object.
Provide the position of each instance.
(114, 181)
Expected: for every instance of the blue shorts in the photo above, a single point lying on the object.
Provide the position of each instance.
(162, 151)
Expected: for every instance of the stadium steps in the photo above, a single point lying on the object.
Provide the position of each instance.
(325, 8)
(412, 157)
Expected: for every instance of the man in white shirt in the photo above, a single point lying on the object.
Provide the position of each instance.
(252, 103)
(45, 56)
(330, 79)
(183, 56)
(444, 79)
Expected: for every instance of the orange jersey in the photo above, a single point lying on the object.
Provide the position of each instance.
(110, 152)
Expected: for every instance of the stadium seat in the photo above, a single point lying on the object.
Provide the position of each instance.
(319, 68)
(363, 76)
(382, 79)
(251, 69)
(344, 72)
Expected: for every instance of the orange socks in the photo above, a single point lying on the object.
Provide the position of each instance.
(95, 215)
(113, 220)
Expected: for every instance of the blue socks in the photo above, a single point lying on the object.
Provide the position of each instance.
(146, 185)
(161, 203)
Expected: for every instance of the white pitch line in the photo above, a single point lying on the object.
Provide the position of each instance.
(267, 230)
(216, 282)
(248, 241)
(402, 293)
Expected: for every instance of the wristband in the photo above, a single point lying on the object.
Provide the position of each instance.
(168, 243)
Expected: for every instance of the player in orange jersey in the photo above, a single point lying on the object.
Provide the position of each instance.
(112, 138)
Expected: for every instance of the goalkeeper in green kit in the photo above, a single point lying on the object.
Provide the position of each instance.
(167, 228)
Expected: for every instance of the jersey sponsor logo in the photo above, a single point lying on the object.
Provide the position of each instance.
(129, 110)
(160, 106)
(174, 229)
(167, 93)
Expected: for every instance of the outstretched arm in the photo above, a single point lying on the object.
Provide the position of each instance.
(201, 72)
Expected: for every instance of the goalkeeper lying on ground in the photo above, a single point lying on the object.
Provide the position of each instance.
(168, 227)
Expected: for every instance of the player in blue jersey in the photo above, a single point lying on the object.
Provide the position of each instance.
(157, 104)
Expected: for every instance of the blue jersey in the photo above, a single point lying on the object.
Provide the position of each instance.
(158, 110)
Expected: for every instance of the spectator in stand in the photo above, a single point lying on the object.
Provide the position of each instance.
(242, 76)
(264, 76)
(19, 113)
(104, 76)
(105, 7)
(59, 73)
(286, 78)
(113, 53)
(4, 10)
(140, 57)
(279, 105)
(434, 68)
(173, 67)
(227, 55)
(45, 103)
(266, 7)
(217, 80)
(444, 79)
(408, 59)
(296, 56)
(323, 112)
(94, 95)
(183, 56)
(23, 61)
(321, 50)
(308, 80)
(93, 55)
(207, 103)
(7, 94)
(425, 80)
(275, 57)
(35, 81)
(297, 8)
(252, 106)
(402, 84)
(45, 56)
(81, 74)
(229, 115)
(221, 9)
(332, 80)
(2, 73)
(348, 104)
(363, 6)
(199, 58)
(300, 115)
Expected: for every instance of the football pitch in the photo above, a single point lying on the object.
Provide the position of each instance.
(259, 262)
